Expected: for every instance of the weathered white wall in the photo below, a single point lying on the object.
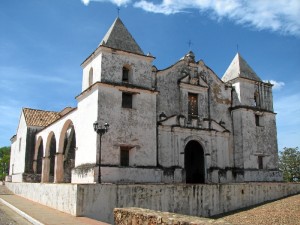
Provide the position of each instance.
(17, 160)
(197, 200)
(87, 137)
(112, 67)
(134, 127)
(94, 62)
(130, 175)
(251, 140)
(172, 142)
(98, 200)
(62, 197)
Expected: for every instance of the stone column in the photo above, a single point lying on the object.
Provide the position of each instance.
(34, 166)
(59, 168)
(45, 170)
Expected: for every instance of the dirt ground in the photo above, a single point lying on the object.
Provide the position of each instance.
(280, 212)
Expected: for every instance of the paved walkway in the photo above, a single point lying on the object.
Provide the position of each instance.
(39, 214)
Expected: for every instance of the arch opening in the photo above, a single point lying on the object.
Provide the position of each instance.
(39, 159)
(194, 163)
(69, 153)
(52, 152)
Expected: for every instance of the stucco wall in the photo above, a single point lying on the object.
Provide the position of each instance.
(252, 141)
(140, 68)
(62, 197)
(197, 200)
(134, 127)
(172, 142)
(98, 200)
(18, 150)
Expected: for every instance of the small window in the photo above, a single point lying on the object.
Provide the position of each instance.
(192, 106)
(127, 100)
(257, 120)
(124, 156)
(260, 162)
(125, 75)
(91, 76)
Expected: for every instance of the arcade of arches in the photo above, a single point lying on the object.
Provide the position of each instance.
(56, 164)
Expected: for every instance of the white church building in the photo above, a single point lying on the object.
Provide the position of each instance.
(182, 124)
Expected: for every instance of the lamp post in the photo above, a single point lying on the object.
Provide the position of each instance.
(100, 131)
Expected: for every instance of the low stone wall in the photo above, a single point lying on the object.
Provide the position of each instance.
(137, 216)
(98, 200)
(62, 197)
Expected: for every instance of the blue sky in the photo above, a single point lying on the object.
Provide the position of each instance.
(43, 43)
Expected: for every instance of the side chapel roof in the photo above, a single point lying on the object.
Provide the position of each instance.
(239, 68)
(39, 118)
(118, 37)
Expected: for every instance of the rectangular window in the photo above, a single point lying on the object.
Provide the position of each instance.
(127, 100)
(260, 162)
(124, 156)
(257, 120)
(192, 106)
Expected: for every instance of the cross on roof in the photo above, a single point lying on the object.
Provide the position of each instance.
(118, 9)
(190, 44)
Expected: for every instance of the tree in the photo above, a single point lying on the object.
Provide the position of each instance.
(4, 162)
(289, 164)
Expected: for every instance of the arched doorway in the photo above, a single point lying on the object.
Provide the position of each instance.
(194, 163)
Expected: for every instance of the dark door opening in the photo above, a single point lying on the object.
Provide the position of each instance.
(194, 163)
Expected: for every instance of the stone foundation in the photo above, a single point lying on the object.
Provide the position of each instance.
(139, 216)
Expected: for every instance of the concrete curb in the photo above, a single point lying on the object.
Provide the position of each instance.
(21, 213)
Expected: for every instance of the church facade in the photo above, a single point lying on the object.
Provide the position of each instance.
(182, 124)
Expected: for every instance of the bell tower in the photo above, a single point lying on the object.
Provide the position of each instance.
(254, 123)
(117, 88)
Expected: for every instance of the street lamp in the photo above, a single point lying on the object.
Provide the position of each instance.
(100, 131)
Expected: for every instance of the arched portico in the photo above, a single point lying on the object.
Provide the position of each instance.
(194, 162)
(49, 159)
(38, 156)
(65, 158)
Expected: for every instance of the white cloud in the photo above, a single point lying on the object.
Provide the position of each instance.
(86, 2)
(281, 15)
(277, 85)
(116, 2)
(276, 15)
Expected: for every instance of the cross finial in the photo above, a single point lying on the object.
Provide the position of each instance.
(190, 44)
(118, 10)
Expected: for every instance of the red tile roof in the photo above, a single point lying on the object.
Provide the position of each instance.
(39, 118)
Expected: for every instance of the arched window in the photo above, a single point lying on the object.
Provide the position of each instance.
(91, 76)
(256, 99)
(125, 74)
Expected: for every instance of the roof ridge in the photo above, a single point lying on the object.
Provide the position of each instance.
(42, 110)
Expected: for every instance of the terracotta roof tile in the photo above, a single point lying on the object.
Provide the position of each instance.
(39, 118)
